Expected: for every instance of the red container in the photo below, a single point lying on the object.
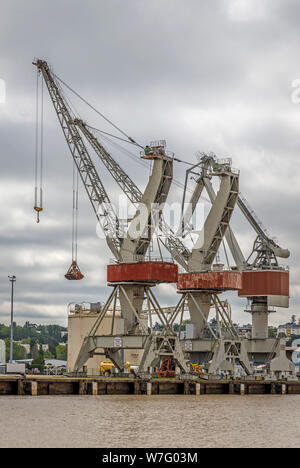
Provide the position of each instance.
(265, 283)
(156, 272)
(211, 280)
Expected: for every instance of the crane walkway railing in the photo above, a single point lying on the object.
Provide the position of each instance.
(141, 258)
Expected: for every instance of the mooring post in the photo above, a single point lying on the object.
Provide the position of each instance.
(198, 389)
(82, 387)
(242, 389)
(34, 388)
(186, 387)
(149, 388)
(283, 389)
(94, 388)
(21, 390)
(231, 387)
(137, 389)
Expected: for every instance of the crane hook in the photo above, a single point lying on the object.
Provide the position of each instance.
(38, 209)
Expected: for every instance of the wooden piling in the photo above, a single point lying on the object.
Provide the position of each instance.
(21, 390)
(82, 388)
(186, 388)
(137, 388)
(94, 388)
(34, 388)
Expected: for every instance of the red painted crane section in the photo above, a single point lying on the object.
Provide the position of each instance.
(265, 283)
(217, 280)
(157, 272)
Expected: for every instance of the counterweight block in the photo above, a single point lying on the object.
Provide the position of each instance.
(153, 272)
(210, 281)
(274, 284)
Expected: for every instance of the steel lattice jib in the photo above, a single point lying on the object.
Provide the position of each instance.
(157, 272)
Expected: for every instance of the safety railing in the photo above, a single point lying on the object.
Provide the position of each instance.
(211, 268)
(141, 258)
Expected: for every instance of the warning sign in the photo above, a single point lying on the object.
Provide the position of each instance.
(117, 342)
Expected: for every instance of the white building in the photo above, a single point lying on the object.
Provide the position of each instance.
(26, 346)
(289, 329)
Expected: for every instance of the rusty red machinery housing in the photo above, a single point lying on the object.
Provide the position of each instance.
(158, 272)
(219, 281)
(167, 368)
(265, 283)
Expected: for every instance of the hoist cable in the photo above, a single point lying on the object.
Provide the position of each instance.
(75, 214)
(128, 138)
(36, 138)
(39, 148)
(113, 136)
(94, 109)
(42, 144)
(135, 144)
(76, 217)
(139, 161)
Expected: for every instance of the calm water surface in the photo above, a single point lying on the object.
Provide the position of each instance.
(156, 421)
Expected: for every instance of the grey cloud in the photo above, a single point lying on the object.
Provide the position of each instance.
(184, 71)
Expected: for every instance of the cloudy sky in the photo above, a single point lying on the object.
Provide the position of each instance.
(210, 76)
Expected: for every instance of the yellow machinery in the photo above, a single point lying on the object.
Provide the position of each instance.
(127, 365)
(106, 367)
(197, 369)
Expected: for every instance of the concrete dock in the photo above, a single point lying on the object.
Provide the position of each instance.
(50, 385)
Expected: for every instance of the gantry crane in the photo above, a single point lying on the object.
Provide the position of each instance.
(132, 282)
(264, 282)
(233, 348)
(166, 343)
(131, 277)
(264, 255)
(201, 285)
(134, 195)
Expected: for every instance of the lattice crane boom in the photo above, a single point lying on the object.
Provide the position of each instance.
(94, 187)
(260, 229)
(263, 238)
(123, 180)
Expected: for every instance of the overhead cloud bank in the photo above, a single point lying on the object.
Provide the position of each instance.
(210, 76)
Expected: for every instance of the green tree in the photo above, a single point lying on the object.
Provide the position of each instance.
(34, 349)
(291, 339)
(39, 362)
(48, 355)
(19, 351)
(61, 352)
(272, 332)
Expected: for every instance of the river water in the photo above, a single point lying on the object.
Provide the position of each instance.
(162, 421)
